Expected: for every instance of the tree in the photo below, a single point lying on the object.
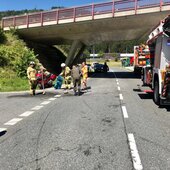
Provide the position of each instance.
(100, 54)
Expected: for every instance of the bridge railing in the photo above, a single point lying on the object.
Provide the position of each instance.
(83, 11)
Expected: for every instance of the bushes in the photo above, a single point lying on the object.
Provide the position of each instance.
(14, 59)
(15, 55)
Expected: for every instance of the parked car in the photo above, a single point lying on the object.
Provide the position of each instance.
(98, 68)
(90, 68)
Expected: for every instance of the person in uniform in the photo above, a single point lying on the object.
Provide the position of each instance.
(31, 74)
(105, 67)
(66, 74)
(84, 71)
(76, 76)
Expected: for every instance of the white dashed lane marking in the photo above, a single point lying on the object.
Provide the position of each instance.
(13, 121)
(45, 102)
(137, 165)
(121, 96)
(3, 129)
(124, 110)
(51, 99)
(134, 153)
(57, 96)
(27, 113)
(37, 107)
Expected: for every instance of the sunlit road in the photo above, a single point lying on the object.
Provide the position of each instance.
(115, 125)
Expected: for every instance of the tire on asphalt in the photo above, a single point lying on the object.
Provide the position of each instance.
(156, 96)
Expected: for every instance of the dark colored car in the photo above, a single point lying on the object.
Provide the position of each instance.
(89, 67)
(98, 68)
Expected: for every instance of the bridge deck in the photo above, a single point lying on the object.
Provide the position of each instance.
(86, 13)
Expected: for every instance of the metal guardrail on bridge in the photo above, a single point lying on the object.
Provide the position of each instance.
(83, 11)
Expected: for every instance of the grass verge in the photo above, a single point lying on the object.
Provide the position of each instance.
(13, 84)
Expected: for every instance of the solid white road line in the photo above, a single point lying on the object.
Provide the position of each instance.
(13, 121)
(37, 107)
(124, 110)
(26, 114)
(134, 153)
(3, 129)
(121, 96)
(45, 102)
(51, 99)
(118, 88)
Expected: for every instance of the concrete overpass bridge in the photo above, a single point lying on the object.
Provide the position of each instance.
(87, 25)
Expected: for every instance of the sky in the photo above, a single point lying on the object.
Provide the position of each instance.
(42, 4)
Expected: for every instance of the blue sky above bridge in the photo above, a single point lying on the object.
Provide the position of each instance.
(42, 4)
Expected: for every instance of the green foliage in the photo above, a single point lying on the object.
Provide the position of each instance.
(15, 55)
(21, 62)
(57, 7)
(116, 59)
(2, 36)
(64, 49)
(86, 53)
(100, 54)
(116, 47)
(13, 84)
(21, 12)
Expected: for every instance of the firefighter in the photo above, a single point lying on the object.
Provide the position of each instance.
(31, 74)
(84, 71)
(76, 76)
(66, 74)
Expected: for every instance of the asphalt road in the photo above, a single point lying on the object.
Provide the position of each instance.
(114, 125)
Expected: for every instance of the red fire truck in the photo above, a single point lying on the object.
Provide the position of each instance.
(141, 58)
(157, 75)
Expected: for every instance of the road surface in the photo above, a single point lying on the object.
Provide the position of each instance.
(114, 125)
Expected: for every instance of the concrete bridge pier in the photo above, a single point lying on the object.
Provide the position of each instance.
(80, 52)
(75, 52)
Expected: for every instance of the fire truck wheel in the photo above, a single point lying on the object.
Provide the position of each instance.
(156, 93)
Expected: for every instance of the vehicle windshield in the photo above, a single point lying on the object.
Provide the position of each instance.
(166, 26)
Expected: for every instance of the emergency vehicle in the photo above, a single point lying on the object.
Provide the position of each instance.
(141, 58)
(157, 74)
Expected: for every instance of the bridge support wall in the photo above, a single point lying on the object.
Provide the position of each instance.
(76, 50)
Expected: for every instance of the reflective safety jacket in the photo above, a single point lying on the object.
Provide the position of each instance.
(84, 71)
(66, 72)
(31, 73)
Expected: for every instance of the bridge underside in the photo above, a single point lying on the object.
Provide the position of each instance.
(89, 32)
(95, 31)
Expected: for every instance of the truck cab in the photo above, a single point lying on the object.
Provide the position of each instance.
(157, 75)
